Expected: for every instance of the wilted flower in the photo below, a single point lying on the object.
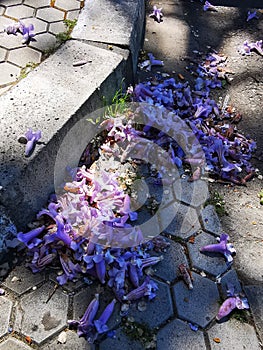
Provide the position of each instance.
(28, 34)
(147, 288)
(208, 6)
(222, 247)
(85, 324)
(251, 15)
(30, 238)
(14, 28)
(234, 301)
(156, 14)
(100, 324)
(32, 138)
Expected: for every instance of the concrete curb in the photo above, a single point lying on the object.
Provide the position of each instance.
(57, 94)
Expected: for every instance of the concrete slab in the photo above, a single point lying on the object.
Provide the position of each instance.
(39, 319)
(198, 305)
(112, 22)
(7, 233)
(178, 335)
(27, 181)
(255, 299)
(234, 335)
(5, 307)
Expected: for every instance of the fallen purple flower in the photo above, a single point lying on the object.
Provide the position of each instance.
(30, 238)
(208, 6)
(251, 15)
(230, 304)
(28, 34)
(14, 28)
(32, 138)
(222, 247)
(85, 324)
(147, 288)
(100, 324)
(156, 14)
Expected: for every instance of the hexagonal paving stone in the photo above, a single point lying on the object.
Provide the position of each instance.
(210, 220)
(73, 15)
(19, 12)
(39, 26)
(234, 335)
(39, 319)
(167, 269)
(26, 280)
(194, 193)
(10, 41)
(9, 73)
(82, 300)
(70, 286)
(230, 278)
(67, 4)
(2, 54)
(14, 344)
(74, 342)
(4, 21)
(38, 3)
(213, 263)
(23, 56)
(5, 307)
(50, 14)
(120, 342)
(44, 42)
(179, 220)
(157, 310)
(12, 2)
(57, 27)
(178, 335)
(199, 305)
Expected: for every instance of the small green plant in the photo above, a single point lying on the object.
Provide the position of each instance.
(138, 331)
(218, 202)
(260, 195)
(27, 69)
(118, 103)
(64, 36)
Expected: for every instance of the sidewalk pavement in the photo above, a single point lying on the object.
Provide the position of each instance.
(34, 312)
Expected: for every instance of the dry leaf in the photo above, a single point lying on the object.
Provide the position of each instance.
(217, 340)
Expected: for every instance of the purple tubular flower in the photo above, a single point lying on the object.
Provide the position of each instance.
(100, 324)
(86, 322)
(150, 261)
(156, 14)
(222, 247)
(153, 61)
(32, 138)
(100, 267)
(28, 34)
(208, 6)
(230, 304)
(30, 238)
(61, 234)
(14, 28)
(145, 289)
(133, 274)
(251, 15)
